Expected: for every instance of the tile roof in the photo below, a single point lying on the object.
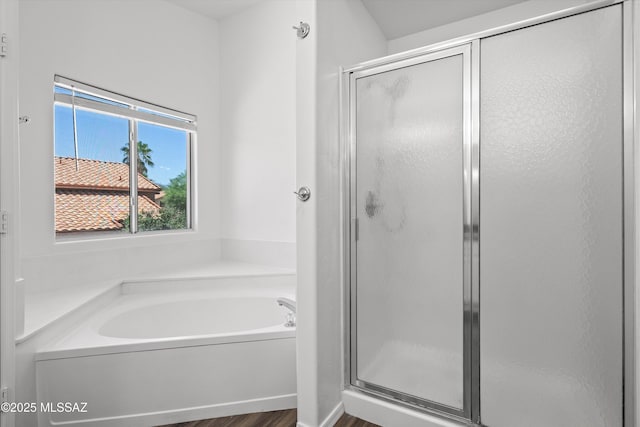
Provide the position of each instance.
(96, 196)
(89, 210)
(97, 175)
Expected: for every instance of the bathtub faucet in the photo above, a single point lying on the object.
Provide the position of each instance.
(291, 306)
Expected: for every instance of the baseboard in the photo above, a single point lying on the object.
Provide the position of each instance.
(333, 416)
(275, 403)
(331, 419)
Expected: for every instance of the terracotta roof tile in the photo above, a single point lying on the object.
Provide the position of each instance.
(96, 174)
(82, 210)
(96, 196)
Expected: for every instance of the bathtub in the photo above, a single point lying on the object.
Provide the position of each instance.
(168, 351)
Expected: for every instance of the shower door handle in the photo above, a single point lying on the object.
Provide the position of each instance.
(303, 194)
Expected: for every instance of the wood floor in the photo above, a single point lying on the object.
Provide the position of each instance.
(268, 419)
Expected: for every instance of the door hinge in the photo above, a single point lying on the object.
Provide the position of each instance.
(4, 222)
(4, 395)
(4, 45)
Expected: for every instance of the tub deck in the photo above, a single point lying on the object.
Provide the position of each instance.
(85, 340)
(47, 308)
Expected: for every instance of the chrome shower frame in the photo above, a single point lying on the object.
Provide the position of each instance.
(470, 414)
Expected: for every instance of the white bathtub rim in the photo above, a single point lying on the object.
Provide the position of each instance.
(86, 340)
(110, 292)
(155, 344)
(136, 301)
(194, 283)
(87, 333)
(126, 286)
(166, 278)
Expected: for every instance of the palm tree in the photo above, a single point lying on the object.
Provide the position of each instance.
(144, 157)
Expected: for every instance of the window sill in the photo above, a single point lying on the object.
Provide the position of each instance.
(120, 236)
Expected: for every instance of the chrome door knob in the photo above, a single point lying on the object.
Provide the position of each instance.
(303, 193)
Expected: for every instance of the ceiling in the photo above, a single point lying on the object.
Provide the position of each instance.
(215, 9)
(398, 18)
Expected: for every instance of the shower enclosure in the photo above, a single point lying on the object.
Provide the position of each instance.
(489, 246)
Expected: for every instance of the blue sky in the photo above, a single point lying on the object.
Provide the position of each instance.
(100, 137)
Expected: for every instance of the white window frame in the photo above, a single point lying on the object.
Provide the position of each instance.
(135, 111)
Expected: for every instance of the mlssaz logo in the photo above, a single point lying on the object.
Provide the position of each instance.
(65, 407)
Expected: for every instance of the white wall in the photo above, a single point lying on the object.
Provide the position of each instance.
(258, 75)
(9, 269)
(508, 15)
(342, 34)
(150, 50)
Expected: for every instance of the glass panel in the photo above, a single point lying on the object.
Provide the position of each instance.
(551, 224)
(63, 90)
(410, 247)
(162, 178)
(92, 193)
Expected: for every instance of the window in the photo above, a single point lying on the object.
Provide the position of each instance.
(97, 184)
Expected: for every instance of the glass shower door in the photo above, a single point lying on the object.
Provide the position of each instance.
(409, 206)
